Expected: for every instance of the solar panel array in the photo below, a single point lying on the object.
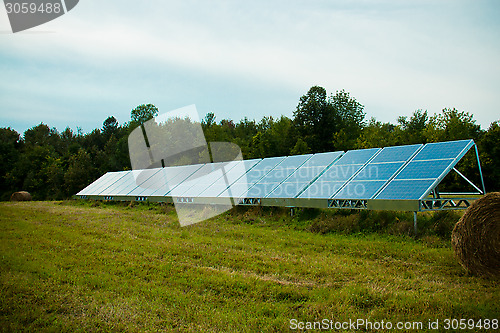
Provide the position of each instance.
(401, 172)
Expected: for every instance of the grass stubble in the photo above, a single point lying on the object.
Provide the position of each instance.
(68, 267)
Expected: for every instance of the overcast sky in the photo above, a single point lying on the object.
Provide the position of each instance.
(250, 59)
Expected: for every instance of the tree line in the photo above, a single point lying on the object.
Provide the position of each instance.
(56, 165)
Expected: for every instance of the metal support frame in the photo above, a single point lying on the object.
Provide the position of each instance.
(249, 201)
(184, 200)
(347, 203)
(450, 200)
(479, 191)
(445, 204)
(415, 227)
(480, 170)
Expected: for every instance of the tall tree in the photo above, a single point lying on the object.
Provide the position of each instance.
(80, 173)
(315, 119)
(143, 113)
(489, 149)
(378, 134)
(413, 130)
(300, 148)
(452, 124)
(110, 127)
(41, 135)
(10, 151)
(350, 117)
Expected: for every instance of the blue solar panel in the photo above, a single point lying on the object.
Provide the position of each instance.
(321, 190)
(285, 168)
(125, 185)
(288, 189)
(378, 171)
(360, 156)
(359, 189)
(405, 189)
(424, 169)
(100, 184)
(438, 150)
(304, 175)
(240, 187)
(395, 154)
(238, 171)
(200, 180)
(263, 168)
(314, 166)
(338, 173)
(222, 175)
(429, 165)
(259, 190)
(276, 176)
(322, 159)
(374, 175)
(113, 189)
(156, 181)
(172, 177)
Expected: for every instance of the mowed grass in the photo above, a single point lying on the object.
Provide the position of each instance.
(67, 267)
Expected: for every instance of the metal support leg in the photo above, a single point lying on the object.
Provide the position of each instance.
(415, 222)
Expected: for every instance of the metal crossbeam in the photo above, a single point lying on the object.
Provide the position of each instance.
(184, 200)
(249, 201)
(444, 204)
(347, 203)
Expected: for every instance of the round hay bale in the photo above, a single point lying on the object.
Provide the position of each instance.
(476, 237)
(20, 196)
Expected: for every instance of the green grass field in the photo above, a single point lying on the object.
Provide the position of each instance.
(68, 266)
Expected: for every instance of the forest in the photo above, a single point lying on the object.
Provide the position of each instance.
(54, 165)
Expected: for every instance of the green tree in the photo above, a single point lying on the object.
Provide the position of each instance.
(10, 152)
(350, 117)
(413, 130)
(330, 123)
(143, 113)
(32, 169)
(208, 121)
(282, 136)
(377, 134)
(489, 150)
(41, 135)
(52, 171)
(452, 124)
(110, 127)
(315, 119)
(244, 132)
(300, 148)
(261, 145)
(81, 172)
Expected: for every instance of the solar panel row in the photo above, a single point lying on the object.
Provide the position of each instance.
(400, 172)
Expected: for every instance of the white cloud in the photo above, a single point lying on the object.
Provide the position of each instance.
(393, 57)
